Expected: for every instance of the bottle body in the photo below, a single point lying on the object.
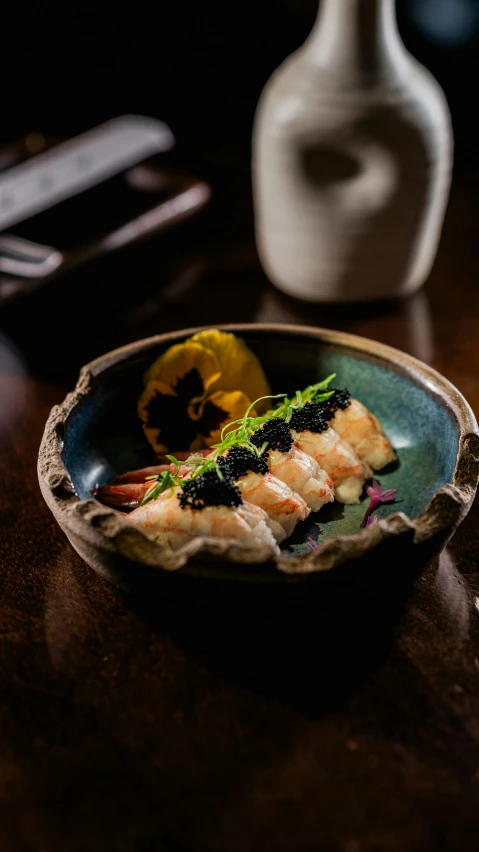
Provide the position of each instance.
(350, 179)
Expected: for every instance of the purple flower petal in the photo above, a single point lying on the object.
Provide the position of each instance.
(377, 497)
(373, 490)
(372, 520)
(387, 496)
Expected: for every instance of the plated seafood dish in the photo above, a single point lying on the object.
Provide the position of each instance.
(263, 467)
(249, 469)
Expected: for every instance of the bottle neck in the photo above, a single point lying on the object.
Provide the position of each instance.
(357, 41)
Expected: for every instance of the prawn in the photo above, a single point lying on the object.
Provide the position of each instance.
(338, 458)
(363, 431)
(174, 525)
(282, 505)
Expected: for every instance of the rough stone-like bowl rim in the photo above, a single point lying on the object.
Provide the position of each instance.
(101, 535)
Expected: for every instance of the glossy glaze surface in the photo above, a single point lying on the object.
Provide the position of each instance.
(154, 726)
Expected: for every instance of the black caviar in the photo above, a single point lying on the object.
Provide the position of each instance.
(310, 417)
(240, 460)
(209, 490)
(276, 434)
(339, 399)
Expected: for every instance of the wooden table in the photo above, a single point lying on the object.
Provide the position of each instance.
(130, 731)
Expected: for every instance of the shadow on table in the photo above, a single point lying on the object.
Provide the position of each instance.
(309, 644)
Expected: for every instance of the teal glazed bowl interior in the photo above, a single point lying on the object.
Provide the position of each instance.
(96, 434)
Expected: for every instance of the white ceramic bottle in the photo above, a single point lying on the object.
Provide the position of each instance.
(352, 156)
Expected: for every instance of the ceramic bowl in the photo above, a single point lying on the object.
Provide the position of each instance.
(96, 434)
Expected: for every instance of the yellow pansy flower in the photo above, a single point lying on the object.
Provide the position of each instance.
(239, 366)
(195, 388)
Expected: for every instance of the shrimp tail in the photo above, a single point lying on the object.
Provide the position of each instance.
(127, 496)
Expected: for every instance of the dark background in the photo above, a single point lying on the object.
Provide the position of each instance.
(200, 66)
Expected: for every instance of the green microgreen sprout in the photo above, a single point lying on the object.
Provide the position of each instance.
(313, 393)
(168, 480)
(175, 461)
(246, 426)
(160, 483)
(200, 464)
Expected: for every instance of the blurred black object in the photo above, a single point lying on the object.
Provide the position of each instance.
(123, 210)
(107, 262)
(200, 66)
